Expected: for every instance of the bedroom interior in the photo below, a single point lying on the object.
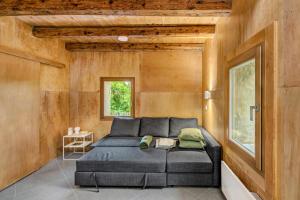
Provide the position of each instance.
(140, 99)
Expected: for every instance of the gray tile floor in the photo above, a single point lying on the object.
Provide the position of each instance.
(55, 182)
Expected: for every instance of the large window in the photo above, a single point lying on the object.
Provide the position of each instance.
(117, 97)
(245, 89)
(242, 105)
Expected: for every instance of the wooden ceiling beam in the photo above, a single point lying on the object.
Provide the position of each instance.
(190, 30)
(116, 7)
(131, 46)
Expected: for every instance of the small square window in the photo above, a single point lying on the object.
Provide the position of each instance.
(117, 97)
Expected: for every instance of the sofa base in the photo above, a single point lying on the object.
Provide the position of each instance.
(121, 179)
(189, 179)
(125, 179)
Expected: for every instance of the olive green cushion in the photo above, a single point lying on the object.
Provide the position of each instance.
(191, 144)
(146, 141)
(191, 134)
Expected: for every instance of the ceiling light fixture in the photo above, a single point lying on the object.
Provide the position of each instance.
(123, 38)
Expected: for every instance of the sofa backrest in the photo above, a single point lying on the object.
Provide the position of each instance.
(157, 127)
(122, 127)
(176, 124)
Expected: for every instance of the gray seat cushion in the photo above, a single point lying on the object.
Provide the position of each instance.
(176, 124)
(189, 161)
(122, 159)
(125, 127)
(121, 142)
(118, 142)
(158, 127)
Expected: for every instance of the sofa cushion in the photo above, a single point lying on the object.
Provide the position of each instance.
(157, 127)
(121, 142)
(122, 159)
(176, 124)
(189, 161)
(191, 134)
(125, 127)
(118, 142)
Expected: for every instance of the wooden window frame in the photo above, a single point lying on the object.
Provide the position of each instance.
(102, 80)
(257, 53)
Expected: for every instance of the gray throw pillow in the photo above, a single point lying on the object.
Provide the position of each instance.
(155, 126)
(122, 127)
(176, 124)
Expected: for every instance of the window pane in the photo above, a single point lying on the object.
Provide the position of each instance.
(242, 102)
(117, 98)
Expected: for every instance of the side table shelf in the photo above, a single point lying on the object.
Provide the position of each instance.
(81, 141)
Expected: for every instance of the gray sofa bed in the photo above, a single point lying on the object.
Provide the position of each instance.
(117, 160)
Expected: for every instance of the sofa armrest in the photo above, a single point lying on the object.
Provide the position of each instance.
(213, 149)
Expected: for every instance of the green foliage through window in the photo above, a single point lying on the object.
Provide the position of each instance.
(120, 98)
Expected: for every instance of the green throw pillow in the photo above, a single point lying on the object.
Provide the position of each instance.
(191, 144)
(191, 134)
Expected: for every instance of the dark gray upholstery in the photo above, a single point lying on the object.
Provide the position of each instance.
(122, 159)
(158, 127)
(120, 179)
(213, 149)
(125, 127)
(176, 124)
(118, 142)
(189, 179)
(189, 161)
(121, 142)
(118, 161)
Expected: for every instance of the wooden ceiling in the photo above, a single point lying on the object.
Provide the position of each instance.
(139, 29)
(68, 21)
(160, 22)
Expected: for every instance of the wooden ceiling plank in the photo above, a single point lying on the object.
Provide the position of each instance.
(186, 30)
(131, 46)
(117, 7)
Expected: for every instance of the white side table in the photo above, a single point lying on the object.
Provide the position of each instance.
(80, 141)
